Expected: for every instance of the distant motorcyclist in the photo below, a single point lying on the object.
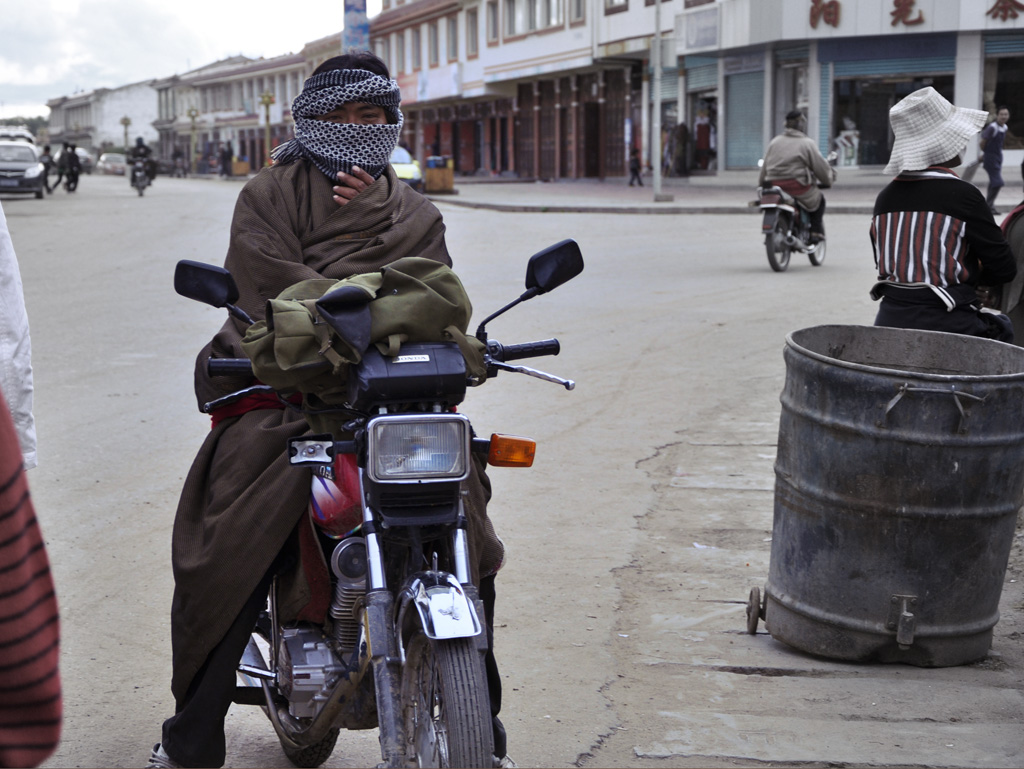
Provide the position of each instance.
(143, 151)
(793, 163)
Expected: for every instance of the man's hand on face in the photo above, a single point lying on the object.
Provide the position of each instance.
(350, 185)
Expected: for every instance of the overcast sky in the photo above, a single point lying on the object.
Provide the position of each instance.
(52, 48)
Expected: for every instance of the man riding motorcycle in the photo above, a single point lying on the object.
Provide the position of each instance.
(242, 515)
(143, 151)
(793, 163)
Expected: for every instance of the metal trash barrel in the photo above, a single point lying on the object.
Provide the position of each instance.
(899, 475)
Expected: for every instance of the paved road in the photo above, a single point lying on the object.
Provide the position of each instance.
(633, 541)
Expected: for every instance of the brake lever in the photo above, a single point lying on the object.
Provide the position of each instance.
(568, 384)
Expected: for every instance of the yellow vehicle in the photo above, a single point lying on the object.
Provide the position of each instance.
(407, 168)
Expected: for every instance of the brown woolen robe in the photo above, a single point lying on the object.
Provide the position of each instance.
(242, 500)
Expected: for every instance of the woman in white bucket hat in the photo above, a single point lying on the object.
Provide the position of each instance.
(933, 235)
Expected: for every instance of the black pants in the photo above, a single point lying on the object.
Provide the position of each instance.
(817, 218)
(634, 175)
(194, 735)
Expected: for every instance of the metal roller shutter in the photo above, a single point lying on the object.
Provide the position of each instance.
(745, 116)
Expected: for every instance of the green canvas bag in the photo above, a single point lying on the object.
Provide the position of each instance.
(316, 328)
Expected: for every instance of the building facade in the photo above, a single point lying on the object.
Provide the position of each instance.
(564, 88)
(95, 120)
(551, 89)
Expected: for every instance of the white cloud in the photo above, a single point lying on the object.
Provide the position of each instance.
(54, 48)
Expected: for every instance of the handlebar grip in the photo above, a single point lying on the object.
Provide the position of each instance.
(229, 366)
(529, 350)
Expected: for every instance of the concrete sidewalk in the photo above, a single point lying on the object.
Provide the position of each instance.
(727, 192)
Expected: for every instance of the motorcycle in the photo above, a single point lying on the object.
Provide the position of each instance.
(402, 646)
(787, 228)
(140, 179)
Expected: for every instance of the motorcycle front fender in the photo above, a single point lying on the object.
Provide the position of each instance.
(444, 609)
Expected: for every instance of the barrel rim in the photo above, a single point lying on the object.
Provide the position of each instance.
(902, 372)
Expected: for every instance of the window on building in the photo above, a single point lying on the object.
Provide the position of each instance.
(417, 50)
(472, 33)
(545, 13)
(577, 10)
(400, 52)
(383, 47)
(492, 21)
(433, 52)
(517, 17)
(452, 35)
(615, 6)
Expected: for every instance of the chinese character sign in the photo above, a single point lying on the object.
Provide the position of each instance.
(826, 11)
(1005, 9)
(903, 12)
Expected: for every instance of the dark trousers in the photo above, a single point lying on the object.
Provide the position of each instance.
(194, 735)
(634, 175)
(818, 218)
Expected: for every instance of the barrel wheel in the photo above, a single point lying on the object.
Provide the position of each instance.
(754, 610)
(776, 247)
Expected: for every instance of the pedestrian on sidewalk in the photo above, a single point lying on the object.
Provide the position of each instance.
(634, 167)
(47, 160)
(933, 234)
(992, 139)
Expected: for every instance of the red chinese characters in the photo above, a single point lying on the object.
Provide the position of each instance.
(826, 11)
(903, 13)
(1005, 9)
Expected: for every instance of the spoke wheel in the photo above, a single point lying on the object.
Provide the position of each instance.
(445, 706)
(816, 253)
(775, 245)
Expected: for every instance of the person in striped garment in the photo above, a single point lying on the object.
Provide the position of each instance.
(30, 692)
(934, 238)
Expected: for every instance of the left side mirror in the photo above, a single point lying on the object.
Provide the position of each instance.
(205, 283)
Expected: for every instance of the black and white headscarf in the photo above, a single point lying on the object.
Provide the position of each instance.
(334, 147)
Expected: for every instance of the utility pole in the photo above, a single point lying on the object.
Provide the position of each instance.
(192, 113)
(656, 122)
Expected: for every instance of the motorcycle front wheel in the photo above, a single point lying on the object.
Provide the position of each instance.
(445, 706)
(775, 245)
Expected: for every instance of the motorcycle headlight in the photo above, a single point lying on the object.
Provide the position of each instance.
(33, 171)
(424, 447)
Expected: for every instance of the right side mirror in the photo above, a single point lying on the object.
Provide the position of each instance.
(555, 265)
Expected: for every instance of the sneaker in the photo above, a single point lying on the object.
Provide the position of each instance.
(815, 237)
(505, 763)
(159, 759)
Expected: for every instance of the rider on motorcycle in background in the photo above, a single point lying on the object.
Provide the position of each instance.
(142, 150)
(793, 163)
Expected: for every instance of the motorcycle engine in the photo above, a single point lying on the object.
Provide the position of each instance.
(305, 664)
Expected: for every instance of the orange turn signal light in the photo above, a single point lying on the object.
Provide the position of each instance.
(511, 451)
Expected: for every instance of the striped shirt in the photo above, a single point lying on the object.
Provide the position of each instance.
(932, 229)
(30, 691)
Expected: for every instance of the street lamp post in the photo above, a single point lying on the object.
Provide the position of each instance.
(266, 99)
(192, 113)
(126, 121)
(656, 122)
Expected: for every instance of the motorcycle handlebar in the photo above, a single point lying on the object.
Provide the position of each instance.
(507, 352)
(228, 366)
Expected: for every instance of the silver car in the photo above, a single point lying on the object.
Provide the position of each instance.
(20, 169)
